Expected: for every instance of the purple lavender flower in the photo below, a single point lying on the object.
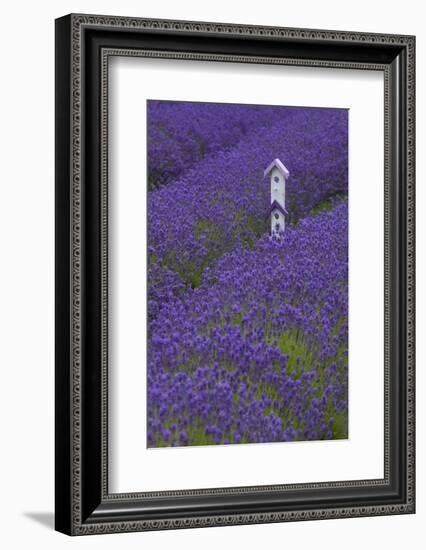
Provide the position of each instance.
(247, 334)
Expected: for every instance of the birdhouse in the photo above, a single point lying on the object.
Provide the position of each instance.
(277, 211)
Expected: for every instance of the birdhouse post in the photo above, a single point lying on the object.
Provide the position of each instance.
(277, 211)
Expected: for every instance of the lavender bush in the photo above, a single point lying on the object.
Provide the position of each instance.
(247, 334)
(181, 134)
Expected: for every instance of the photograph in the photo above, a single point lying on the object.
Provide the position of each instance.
(211, 287)
(234, 271)
(247, 273)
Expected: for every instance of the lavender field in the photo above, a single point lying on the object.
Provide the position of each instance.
(247, 331)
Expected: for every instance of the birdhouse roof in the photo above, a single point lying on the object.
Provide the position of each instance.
(276, 206)
(277, 164)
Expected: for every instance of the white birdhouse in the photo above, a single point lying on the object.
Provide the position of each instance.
(277, 211)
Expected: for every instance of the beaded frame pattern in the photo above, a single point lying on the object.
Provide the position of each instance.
(78, 22)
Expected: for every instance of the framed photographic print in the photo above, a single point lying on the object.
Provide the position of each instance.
(234, 274)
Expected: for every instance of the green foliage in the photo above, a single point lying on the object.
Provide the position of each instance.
(329, 203)
(340, 425)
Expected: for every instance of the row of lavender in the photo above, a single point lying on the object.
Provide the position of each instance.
(221, 202)
(247, 335)
(258, 353)
(181, 133)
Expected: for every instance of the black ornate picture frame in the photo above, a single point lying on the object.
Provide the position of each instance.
(84, 44)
